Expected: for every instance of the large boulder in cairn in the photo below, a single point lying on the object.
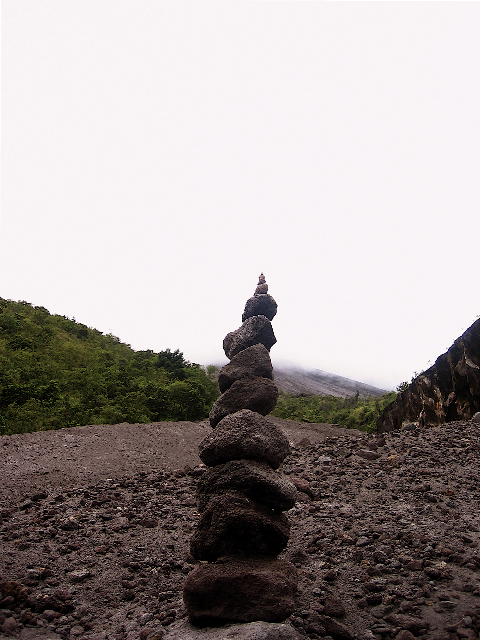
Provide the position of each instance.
(257, 394)
(255, 330)
(260, 305)
(241, 590)
(245, 434)
(234, 525)
(253, 361)
(257, 480)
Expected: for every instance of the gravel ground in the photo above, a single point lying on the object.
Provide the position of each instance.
(95, 525)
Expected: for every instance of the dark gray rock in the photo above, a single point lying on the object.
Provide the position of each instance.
(367, 454)
(260, 305)
(261, 288)
(234, 525)
(256, 480)
(245, 434)
(242, 590)
(253, 361)
(183, 630)
(255, 330)
(334, 607)
(409, 623)
(257, 394)
(336, 629)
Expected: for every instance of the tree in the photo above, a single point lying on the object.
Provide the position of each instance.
(173, 362)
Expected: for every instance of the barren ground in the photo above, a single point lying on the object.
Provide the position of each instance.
(95, 524)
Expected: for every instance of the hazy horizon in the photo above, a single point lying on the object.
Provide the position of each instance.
(157, 156)
(278, 362)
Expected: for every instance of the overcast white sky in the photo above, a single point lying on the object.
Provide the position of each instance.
(157, 155)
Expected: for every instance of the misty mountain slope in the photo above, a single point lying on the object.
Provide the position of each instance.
(297, 381)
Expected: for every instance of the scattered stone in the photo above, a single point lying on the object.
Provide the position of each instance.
(56, 601)
(14, 590)
(414, 625)
(336, 629)
(50, 615)
(151, 523)
(367, 454)
(246, 631)
(80, 575)
(362, 541)
(77, 630)
(404, 635)
(69, 524)
(27, 617)
(302, 485)
(304, 442)
(334, 607)
(9, 626)
(329, 575)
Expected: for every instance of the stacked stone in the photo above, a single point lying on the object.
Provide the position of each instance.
(242, 495)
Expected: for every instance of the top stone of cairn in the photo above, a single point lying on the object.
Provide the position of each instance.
(261, 304)
(262, 286)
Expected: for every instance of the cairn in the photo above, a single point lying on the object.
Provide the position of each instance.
(242, 495)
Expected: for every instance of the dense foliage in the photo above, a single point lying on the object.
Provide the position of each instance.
(353, 413)
(55, 372)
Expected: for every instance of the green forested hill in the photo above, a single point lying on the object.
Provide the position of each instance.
(55, 372)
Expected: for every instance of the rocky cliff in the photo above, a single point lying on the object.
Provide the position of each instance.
(450, 390)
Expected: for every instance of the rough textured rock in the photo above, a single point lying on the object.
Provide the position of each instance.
(448, 391)
(234, 525)
(372, 525)
(261, 288)
(244, 590)
(256, 480)
(260, 305)
(336, 629)
(253, 361)
(255, 330)
(414, 625)
(241, 495)
(246, 631)
(245, 434)
(257, 394)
